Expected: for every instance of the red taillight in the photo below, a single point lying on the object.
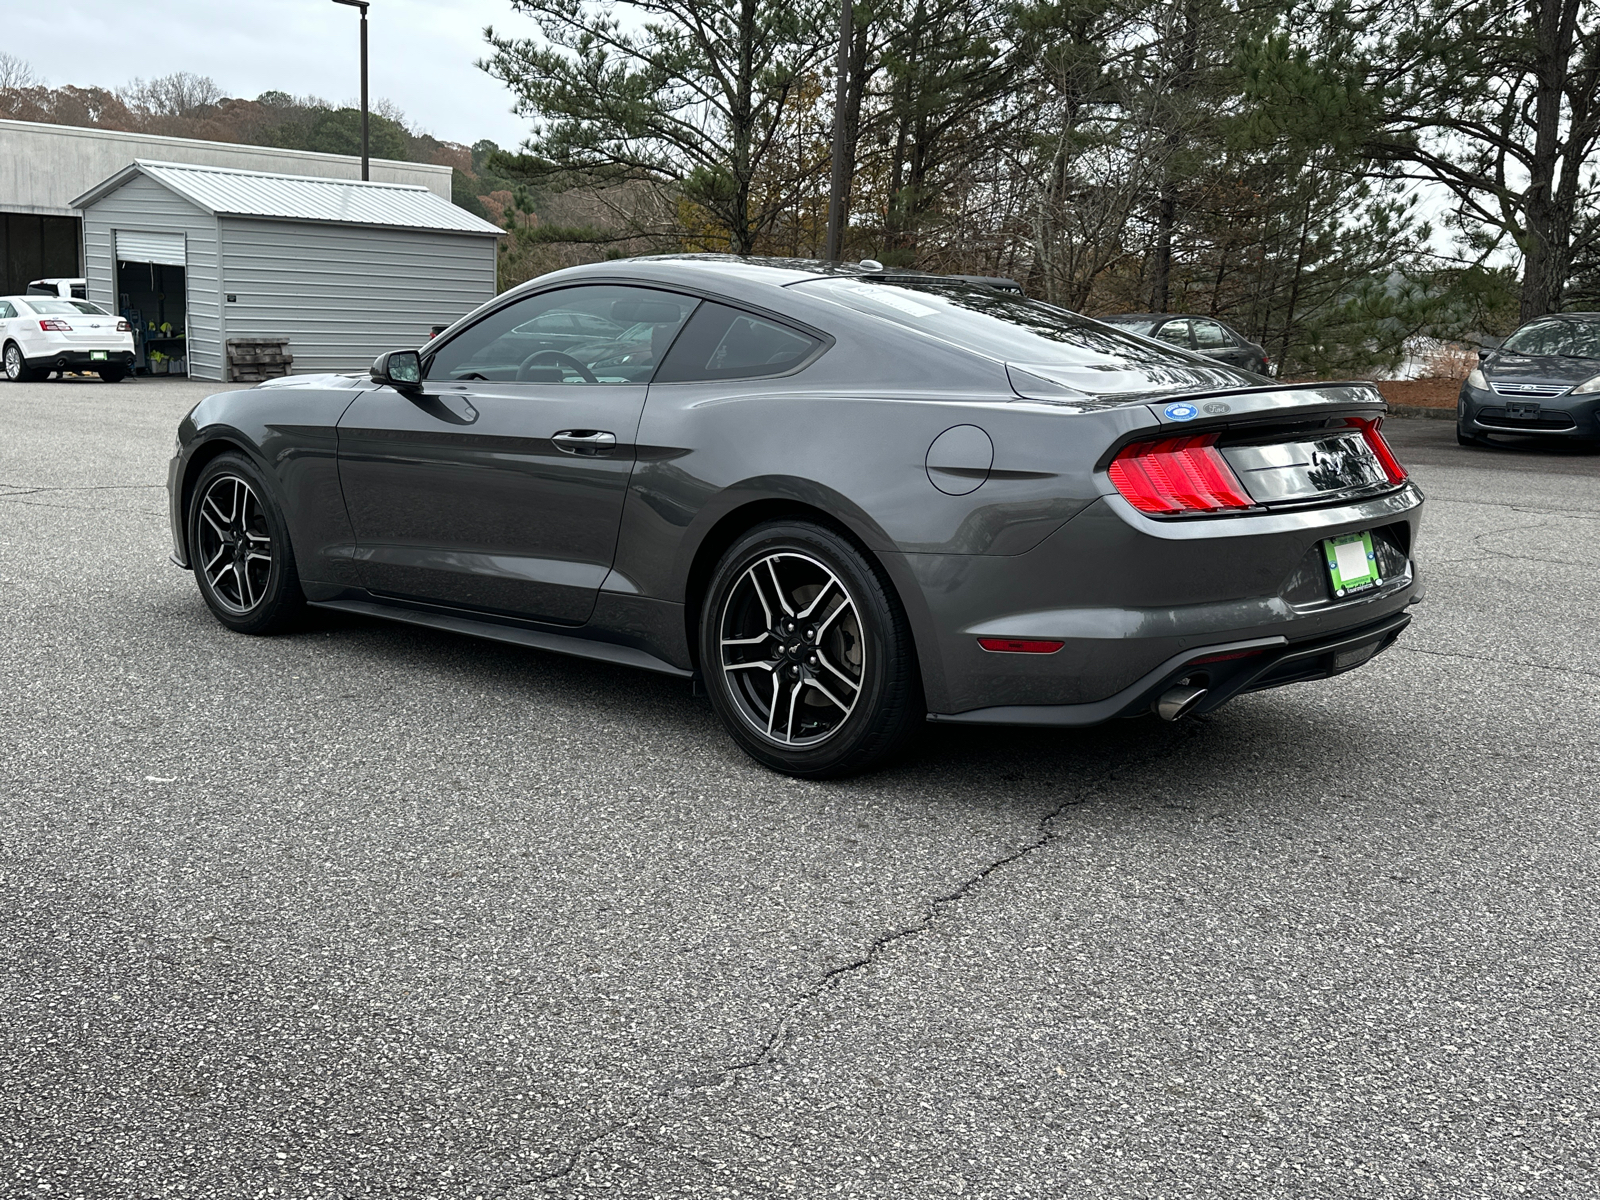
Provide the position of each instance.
(1380, 450)
(54, 326)
(123, 326)
(1174, 475)
(1020, 645)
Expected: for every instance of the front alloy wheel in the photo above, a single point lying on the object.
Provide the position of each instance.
(233, 547)
(806, 653)
(239, 551)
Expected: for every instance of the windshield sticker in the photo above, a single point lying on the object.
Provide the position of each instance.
(882, 296)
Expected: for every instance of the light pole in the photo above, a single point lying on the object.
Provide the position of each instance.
(839, 192)
(362, 5)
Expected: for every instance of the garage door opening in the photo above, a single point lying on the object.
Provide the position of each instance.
(152, 293)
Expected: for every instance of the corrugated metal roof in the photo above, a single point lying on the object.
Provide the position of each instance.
(237, 193)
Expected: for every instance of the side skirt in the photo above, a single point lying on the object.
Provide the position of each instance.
(538, 639)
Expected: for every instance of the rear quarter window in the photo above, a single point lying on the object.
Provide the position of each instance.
(724, 343)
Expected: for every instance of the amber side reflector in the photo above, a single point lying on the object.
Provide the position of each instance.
(1020, 645)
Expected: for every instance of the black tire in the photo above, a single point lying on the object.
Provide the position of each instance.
(845, 630)
(16, 367)
(234, 523)
(1463, 439)
(113, 374)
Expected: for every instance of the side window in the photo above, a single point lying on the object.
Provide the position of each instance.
(1176, 332)
(6, 311)
(1208, 335)
(600, 333)
(723, 343)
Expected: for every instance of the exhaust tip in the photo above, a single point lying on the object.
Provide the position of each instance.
(1177, 701)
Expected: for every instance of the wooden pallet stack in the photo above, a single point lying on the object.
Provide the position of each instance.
(250, 360)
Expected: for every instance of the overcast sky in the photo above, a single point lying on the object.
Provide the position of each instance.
(422, 51)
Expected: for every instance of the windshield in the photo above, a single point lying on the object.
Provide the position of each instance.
(1566, 338)
(1040, 339)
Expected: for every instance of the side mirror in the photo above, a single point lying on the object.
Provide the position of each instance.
(400, 369)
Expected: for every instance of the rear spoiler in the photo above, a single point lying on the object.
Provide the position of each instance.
(1306, 399)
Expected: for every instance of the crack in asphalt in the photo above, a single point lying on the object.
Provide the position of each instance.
(771, 1048)
(1499, 662)
(1478, 540)
(16, 493)
(1577, 514)
(24, 503)
(23, 489)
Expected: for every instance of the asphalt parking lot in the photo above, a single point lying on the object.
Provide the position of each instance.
(377, 911)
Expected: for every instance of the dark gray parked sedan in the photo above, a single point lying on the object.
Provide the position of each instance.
(848, 501)
(1544, 379)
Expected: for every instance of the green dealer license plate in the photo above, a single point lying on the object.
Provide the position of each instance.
(1352, 564)
(97, 355)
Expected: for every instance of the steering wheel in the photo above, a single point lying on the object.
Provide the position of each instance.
(558, 358)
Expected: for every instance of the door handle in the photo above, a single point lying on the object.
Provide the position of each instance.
(584, 441)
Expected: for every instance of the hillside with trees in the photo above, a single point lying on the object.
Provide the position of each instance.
(195, 106)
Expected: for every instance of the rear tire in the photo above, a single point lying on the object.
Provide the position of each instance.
(16, 367)
(807, 655)
(113, 374)
(239, 549)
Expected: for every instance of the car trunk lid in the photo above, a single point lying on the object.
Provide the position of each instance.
(1275, 447)
(91, 330)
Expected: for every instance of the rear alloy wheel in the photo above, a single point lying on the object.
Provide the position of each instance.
(17, 368)
(806, 653)
(239, 549)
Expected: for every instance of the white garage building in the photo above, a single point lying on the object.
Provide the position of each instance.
(341, 269)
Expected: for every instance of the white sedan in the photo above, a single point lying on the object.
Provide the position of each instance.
(41, 334)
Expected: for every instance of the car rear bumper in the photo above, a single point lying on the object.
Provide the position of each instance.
(1131, 600)
(1234, 668)
(80, 360)
(1480, 413)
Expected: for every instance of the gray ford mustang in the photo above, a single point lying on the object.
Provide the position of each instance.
(846, 500)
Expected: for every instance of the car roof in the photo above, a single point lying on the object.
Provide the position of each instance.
(760, 271)
(34, 299)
